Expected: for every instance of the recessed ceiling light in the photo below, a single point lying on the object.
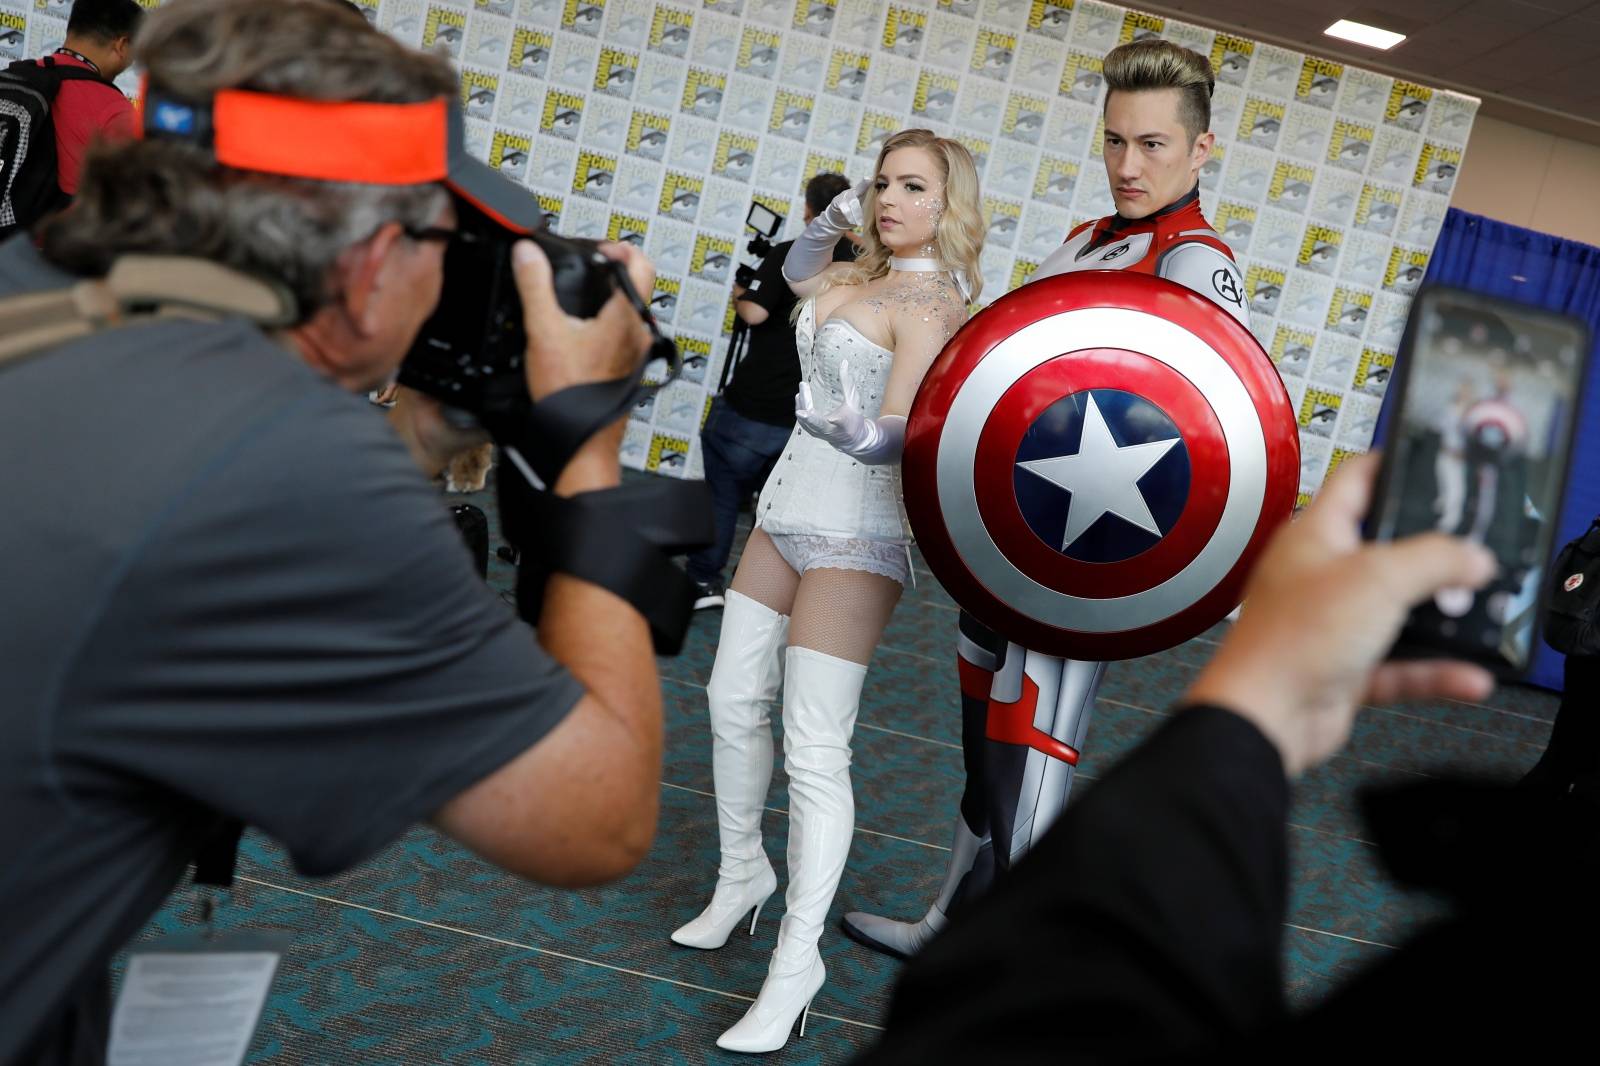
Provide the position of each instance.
(1361, 33)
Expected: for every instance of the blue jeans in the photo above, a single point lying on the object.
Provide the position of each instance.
(739, 454)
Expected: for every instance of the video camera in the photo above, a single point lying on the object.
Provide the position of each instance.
(766, 223)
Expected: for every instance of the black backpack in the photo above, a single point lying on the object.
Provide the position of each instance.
(29, 189)
(1572, 621)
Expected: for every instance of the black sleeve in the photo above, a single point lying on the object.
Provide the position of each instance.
(1146, 922)
(770, 291)
(303, 644)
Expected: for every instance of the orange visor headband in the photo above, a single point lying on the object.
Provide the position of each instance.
(376, 144)
(379, 144)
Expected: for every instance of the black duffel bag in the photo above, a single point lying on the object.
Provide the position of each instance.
(1572, 621)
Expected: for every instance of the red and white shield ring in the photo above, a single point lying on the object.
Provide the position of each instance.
(1095, 460)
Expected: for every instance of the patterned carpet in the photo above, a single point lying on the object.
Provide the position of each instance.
(428, 955)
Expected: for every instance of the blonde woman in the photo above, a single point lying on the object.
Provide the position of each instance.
(828, 559)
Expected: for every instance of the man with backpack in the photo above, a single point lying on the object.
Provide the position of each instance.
(52, 109)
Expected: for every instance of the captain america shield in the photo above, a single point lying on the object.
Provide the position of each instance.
(1095, 460)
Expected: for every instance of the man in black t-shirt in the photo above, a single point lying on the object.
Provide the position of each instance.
(749, 424)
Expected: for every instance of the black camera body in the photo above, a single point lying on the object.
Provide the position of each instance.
(470, 353)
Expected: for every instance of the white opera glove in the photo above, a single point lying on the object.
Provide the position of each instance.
(812, 251)
(873, 441)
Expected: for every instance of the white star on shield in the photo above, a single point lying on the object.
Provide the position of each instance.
(1103, 477)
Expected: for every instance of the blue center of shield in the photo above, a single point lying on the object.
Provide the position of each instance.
(1102, 475)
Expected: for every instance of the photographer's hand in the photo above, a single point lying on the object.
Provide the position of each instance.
(580, 806)
(564, 351)
(1322, 609)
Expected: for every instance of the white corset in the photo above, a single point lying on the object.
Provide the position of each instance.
(816, 489)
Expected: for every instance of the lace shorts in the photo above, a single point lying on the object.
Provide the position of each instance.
(805, 552)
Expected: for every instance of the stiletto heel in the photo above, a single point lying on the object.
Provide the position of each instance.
(744, 681)
(785, 996)
(820, 698)
(733, 897)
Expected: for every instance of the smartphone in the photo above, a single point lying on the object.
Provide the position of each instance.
(1480, 446)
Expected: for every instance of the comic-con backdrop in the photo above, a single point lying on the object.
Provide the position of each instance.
(659, 123)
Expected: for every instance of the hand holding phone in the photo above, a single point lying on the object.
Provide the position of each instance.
(1480, 448)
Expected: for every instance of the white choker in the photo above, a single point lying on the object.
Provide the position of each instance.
(916, 265)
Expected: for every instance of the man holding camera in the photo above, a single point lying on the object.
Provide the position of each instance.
(233, 596)
(751, 421)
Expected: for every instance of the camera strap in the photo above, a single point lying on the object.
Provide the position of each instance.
(549, 432)
(138, 289)
(621, 539)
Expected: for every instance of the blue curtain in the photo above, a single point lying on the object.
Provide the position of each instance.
(1479, 253)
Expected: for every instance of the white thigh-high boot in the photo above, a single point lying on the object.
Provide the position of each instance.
(744, 681)
(820, 696)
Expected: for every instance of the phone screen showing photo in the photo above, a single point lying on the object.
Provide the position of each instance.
(1480, 449)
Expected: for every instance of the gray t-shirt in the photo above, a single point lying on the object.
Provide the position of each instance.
(228, 592)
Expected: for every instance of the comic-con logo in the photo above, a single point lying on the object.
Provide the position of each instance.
(1094, 461)
(13, 32)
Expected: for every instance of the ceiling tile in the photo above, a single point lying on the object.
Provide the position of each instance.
(1419, 11)
(1474, 76)
(1514, 11)
(1577, 82)
(1578, 27)
(1565, 7)
(1554, 98)
(1474, 32)
(1531, 57)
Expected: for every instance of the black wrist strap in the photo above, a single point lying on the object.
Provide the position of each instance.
(550, 432)
(621, 539)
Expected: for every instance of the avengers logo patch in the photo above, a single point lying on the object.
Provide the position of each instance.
(1227, 286)
(1094, 461)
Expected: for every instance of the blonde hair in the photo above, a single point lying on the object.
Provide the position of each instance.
(958, 235)
(1141, 66)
